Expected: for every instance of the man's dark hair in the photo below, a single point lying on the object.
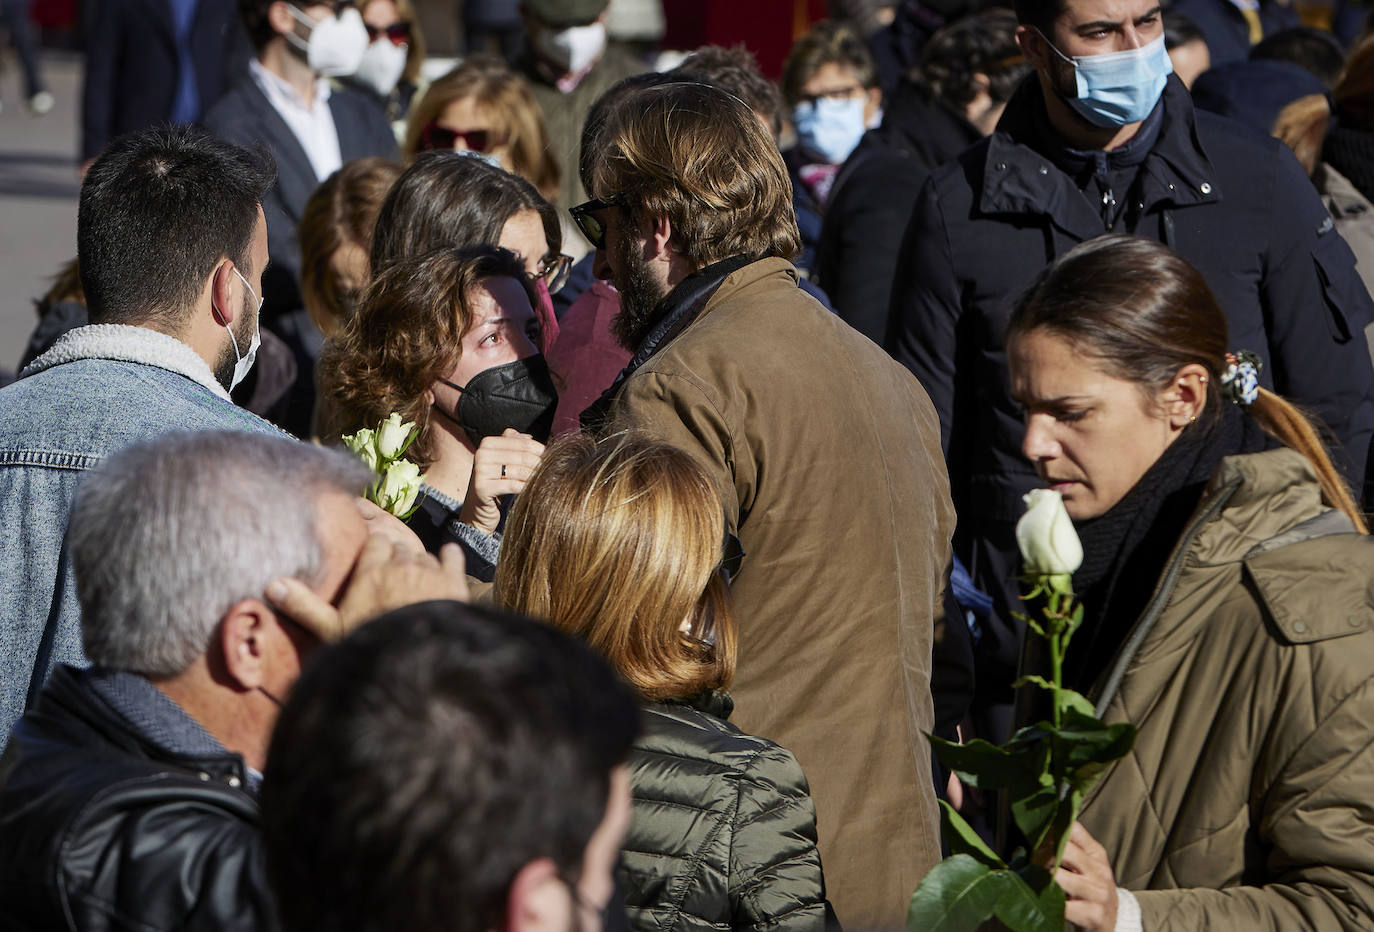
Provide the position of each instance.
(1179, 29)
(254, 16)
(159, 209)
(1312, 49)
(589, 148)
(448, 199)
(736, 71)
(423, 761)
(981, 44)
(1040, 13)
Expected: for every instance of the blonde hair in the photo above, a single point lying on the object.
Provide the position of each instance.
(618, 541)
(700, 157)
(513, 111)
(1302, 125)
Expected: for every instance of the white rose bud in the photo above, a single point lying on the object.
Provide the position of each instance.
(392, 436)
(363, 444)
(400, 487)
(1049, 545)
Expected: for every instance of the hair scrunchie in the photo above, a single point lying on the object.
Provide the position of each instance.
(1240, 381)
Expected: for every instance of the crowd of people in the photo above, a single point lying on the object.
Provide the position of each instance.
(725, 393)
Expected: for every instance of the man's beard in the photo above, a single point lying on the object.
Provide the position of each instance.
(224, 367)
(640, 295)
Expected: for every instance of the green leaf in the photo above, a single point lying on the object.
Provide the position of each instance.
(986, 766)
(1035, 812)
(958, 894)
(963, 839)
(1068, 699)
(1091, 741)
(1022, 909)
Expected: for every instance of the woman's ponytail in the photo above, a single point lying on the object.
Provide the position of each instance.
(1287, 424)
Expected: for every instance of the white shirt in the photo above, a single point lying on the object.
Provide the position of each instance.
(312, 125)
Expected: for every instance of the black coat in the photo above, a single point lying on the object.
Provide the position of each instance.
(131, 64)
(245, 117)
(872, 200)
(1234, 203)
(103, 830)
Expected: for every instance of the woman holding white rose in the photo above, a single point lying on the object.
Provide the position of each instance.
(446, 342)
(1228, 615)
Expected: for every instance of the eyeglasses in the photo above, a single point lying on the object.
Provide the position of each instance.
(839, 93)
(584, 215)
(434, 136)
(398, 33)
(554, 270)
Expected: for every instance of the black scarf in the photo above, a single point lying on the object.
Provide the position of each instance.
(1351, 152)
(676, 311)
(1124, 550)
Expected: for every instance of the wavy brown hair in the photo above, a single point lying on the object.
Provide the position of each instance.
(513, 111)
(1141, 312)
(618, 541)
(405, 336)
(1303, 123)
(700, 157)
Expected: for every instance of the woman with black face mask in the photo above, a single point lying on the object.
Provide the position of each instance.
(450, 342)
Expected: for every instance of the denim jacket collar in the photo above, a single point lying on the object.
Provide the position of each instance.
(129, 344)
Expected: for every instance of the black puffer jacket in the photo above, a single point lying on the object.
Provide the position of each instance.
(103, 831)
(724, 831)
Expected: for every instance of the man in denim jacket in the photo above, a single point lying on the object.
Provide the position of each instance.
(172, 245)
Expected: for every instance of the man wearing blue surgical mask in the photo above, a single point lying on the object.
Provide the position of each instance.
(1103, 138)
(831, 88)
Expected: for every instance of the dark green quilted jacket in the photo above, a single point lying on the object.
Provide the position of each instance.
(723, 834)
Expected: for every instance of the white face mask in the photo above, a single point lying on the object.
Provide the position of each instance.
(336, 45)
(572, 49)
(382, 66)
(243, 364)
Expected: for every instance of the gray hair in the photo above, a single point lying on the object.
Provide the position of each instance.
(168, 534)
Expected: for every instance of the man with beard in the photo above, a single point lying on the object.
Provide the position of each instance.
(825, 455)
(171, 244)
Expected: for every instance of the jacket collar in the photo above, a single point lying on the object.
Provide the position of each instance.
(129, 344)
(1019, 178)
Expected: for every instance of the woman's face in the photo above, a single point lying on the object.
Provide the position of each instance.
(503, 330)
(466, 115)
(379, 14)
(523, 235)
(1090, 435)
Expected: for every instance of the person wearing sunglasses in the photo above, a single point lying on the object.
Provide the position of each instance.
(390, 68)
(618, 542)
(483, 108)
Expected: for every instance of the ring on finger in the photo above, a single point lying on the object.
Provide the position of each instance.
(503, 470)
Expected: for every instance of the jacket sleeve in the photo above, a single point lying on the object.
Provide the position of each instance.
(676, 409)
(104, 39)
(1316, 308)
(775, 867)
(1316, 827)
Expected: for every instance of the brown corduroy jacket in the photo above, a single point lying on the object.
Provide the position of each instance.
(1247, 802)
(826, 456)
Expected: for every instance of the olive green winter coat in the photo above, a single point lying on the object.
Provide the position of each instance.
(723, 833)
(1247, 802)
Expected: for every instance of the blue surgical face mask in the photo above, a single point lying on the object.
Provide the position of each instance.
(831, 128)
(1117, 88)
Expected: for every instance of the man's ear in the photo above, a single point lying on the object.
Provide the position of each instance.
(538, 900)
(1033, 46)
(280, 18)
(222, 292)
(242, 642)
(661, 232)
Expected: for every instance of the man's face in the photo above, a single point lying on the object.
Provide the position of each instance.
(1094, 27)
(625, 263)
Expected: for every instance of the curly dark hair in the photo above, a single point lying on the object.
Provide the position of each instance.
(984, 44)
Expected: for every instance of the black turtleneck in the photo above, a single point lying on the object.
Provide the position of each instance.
(1125, 549)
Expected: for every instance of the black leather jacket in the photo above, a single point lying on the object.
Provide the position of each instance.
(102, 830)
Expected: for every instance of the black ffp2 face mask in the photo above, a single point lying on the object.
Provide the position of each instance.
(519, 394)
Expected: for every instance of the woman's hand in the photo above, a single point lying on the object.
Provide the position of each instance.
(501, 466)
(1086, 876)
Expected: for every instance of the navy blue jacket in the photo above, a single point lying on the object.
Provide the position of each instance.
(245, 117)
(1233, 202)
(131, 64)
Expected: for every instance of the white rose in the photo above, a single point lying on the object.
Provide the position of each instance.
(1049, 545)
(363, 444)
(399, 487)
(392, 437)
